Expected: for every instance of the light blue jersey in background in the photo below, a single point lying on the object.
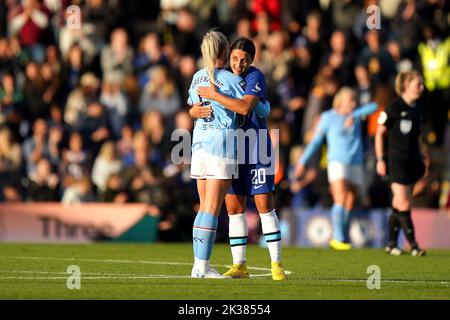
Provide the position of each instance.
(345, 145)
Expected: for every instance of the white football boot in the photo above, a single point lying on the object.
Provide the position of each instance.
(208, 273)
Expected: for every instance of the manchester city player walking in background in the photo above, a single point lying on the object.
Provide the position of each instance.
(342, 128)
(406, 159)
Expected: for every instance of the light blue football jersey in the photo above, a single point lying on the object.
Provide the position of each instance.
(215, 135)
(345, 145)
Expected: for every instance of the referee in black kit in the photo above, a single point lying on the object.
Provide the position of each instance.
(406, 159)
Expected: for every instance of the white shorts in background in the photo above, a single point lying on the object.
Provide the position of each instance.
(352, 173)
(208, 166)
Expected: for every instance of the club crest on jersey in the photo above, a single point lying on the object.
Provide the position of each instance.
(243, 84)
(405, 126)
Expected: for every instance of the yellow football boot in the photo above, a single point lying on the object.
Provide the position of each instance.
(278, 271)
(340, 246)
(238, 271)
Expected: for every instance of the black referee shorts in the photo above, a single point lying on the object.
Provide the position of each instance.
(406, 172)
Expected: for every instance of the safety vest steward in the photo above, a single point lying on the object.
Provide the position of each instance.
(436, 67)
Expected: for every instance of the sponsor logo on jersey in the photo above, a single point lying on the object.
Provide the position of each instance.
(405, 126)
(257, 88)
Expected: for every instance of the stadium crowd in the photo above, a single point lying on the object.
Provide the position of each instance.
(86, 114)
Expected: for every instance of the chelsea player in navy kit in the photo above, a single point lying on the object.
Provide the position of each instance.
(256, 178)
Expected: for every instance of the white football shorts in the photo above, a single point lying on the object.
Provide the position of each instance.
(352, 173)
(207, 166)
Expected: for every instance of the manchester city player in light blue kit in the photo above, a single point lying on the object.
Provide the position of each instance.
(214, 161)
(342, 129)
(256, 174)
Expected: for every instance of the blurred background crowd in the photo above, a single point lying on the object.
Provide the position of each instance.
(86, 114)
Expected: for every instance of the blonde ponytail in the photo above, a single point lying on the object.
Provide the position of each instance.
(214, 44)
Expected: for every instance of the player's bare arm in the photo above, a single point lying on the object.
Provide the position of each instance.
(242, 106)
(379, 149)
(199, 111)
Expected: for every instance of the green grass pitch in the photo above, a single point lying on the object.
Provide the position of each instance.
(161, 271)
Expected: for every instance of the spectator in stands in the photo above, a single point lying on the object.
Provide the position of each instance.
(271, 8)
(115, 102)
(186, 69)
(43, 183)
(319, 100)
(53, 58)
(70, 37)
(11, 103)
(73, 68)
(79, 98)
(377, 60)
(97, 17)
(10, 158)
(34, 92)
(275, 62)
(76, 162)
(313, 32)
(360, 21)
(125, 145)
(149, 55)
(13, 58)
(141, 177)
(95, 127)
(363, 85)
(339, 58)
(36, 147)
(140, 142)
(30, 24)
(106, 164)
(51, 85)
(344, 13)
(184, 34)
(55, 139)
(406, 28)
(78, 192)
(115, 190)
(157, 136)
(118, 55)
(160, 94)
(243, 30)
(3, 54)
(56, 118)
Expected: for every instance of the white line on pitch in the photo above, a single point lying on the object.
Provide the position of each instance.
(134, 262)
(124, 261)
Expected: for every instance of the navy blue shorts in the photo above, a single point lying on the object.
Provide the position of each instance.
(253, 179)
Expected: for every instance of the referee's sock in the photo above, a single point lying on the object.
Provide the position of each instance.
(394, 228)
(408, 227)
